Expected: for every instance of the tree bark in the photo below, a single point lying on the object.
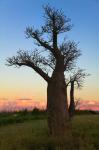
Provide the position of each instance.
(57, 107)
(72, 103)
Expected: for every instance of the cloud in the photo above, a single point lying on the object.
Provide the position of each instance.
(89, 105)
(27, 103)
(24, 99)
(19, 104)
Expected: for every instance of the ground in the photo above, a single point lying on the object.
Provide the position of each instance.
(32, 134)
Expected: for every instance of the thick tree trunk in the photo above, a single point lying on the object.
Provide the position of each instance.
(57, 107)
(72, 103)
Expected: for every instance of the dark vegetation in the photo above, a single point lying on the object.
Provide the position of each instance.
(21, 116)
(36, 114)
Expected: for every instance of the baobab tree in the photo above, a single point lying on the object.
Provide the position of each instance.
(76, 79)
(50, 61)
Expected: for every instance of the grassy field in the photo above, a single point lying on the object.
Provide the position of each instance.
(31, 133)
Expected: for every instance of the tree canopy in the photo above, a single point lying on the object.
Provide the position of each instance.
(43, 60)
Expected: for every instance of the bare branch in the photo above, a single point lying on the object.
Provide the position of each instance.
(78, 77)
(32, 60)
(67, 83)
(36, 34)
(77, 104)
(56, 17)
(55, 23)
(70, 52)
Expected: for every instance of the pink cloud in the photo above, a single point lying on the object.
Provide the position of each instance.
(19, 104)
(89, 105)
(27, 103)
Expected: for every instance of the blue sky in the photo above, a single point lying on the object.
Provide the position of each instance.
(16, 15)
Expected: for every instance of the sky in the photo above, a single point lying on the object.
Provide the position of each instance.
(24, 84)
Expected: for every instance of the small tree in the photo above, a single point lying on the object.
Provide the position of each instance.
(78, 104)
(76, 79)
(50, 62)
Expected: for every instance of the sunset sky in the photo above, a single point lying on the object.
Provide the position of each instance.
(24, 87)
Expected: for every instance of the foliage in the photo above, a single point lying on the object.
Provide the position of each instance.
(21, 116)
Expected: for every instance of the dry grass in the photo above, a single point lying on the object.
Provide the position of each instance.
(33, 135)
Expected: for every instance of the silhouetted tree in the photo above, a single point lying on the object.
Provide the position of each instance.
(51, 61)
(77, 79)
(78, 104)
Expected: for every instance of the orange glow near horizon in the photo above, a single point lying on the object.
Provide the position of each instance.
(30, 91)
(28, 98)
(19, 104)
(39, 92)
